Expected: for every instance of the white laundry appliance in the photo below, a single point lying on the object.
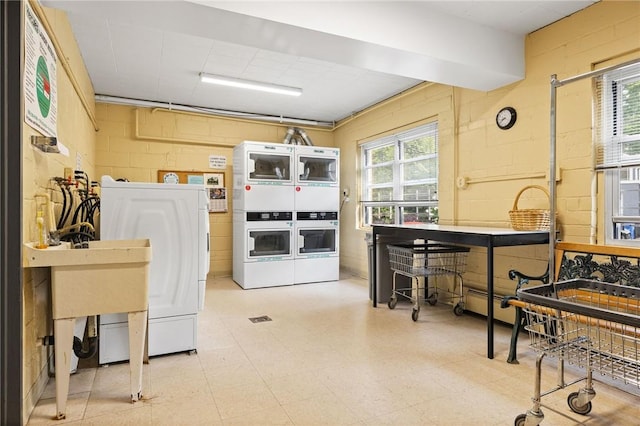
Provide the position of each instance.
(316, 180)
(174, 217)
(317, 247)
(262, 176)
(263, 248)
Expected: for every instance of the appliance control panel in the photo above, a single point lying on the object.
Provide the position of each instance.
(268, 216)
(317, 215)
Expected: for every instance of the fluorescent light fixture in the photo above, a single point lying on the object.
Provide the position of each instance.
(248, 84)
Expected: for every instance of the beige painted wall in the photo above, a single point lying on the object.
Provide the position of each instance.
(76, 131)
(135, 143)
(496, 163)
(499, 163)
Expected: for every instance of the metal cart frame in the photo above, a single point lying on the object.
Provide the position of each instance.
(591, 324)
(426, 260)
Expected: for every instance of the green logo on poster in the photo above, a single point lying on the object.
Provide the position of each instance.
(43, 87)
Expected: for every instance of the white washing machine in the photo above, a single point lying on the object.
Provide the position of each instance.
(316, 180)
(263, 248)
(317, 248)
(263, 176)
(174, 217)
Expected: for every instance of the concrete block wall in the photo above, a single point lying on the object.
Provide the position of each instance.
(137, 142)
(498, 163)
(76, 131)
(134, 143)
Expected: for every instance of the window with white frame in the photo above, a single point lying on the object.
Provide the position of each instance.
(618, 116)
(400, 177)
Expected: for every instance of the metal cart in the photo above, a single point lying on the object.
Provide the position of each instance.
(427, 260)
(590, 324)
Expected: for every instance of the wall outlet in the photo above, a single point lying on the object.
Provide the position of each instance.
(68, 173)
(345, 192)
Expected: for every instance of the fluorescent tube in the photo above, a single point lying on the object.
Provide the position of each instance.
(248, 84)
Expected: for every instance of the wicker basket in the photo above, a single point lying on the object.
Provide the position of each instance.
(530, 219)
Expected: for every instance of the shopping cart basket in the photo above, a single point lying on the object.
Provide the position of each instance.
(591, 324)
(426, 260)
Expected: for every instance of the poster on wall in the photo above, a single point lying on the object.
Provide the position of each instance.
(214, 183)
(40, 92)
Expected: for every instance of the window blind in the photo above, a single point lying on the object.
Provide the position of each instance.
(617, 118)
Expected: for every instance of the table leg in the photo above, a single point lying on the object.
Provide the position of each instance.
(490, 300)
(63, 330)
(374, 267)
(137, 332)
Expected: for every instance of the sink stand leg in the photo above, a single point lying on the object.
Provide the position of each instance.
(137, 333)
(63, 331)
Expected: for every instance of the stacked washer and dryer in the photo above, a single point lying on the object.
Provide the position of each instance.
(286, 201)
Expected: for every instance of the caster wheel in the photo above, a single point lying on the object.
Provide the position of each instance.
(572, 400)
(392, 303)
(458, 309)
(521, 420)
(432, 299)
(535, 417)
(414, 314)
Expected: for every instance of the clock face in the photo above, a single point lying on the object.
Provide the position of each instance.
(506, 118)
(171, 178)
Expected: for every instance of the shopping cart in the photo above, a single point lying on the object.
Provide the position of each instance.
(590, 324)
(421, 261)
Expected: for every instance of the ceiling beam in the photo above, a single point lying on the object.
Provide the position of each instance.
(400, 38)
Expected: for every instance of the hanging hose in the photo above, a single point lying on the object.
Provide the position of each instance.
(58, 182)
(83, 219)
(69, 207)
(79, 347)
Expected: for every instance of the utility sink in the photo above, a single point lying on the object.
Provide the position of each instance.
(107, 277)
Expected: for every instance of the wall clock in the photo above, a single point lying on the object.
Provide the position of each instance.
(170, 178)
(506, 118)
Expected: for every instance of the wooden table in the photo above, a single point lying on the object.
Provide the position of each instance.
(465, 235)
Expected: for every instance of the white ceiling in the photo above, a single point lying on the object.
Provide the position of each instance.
(345, 55)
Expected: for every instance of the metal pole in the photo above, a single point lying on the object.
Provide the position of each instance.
(555, 83)
(552, 180)
(595, 73)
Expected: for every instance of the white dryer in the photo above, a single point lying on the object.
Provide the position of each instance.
(262, 176)
(317, 183)
(263, 248)
(317, 247)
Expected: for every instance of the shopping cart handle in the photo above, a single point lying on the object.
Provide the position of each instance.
(507, 301)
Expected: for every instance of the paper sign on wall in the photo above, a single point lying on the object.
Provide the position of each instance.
(217, 162)
(40, 81)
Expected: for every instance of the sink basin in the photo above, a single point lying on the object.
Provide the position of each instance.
(112, 251)
(108, 277)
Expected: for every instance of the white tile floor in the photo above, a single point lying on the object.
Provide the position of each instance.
(329, 358)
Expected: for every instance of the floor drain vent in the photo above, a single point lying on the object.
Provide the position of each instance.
(259, 319)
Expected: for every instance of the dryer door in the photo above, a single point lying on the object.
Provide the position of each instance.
(316, 241)
(268, 243)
